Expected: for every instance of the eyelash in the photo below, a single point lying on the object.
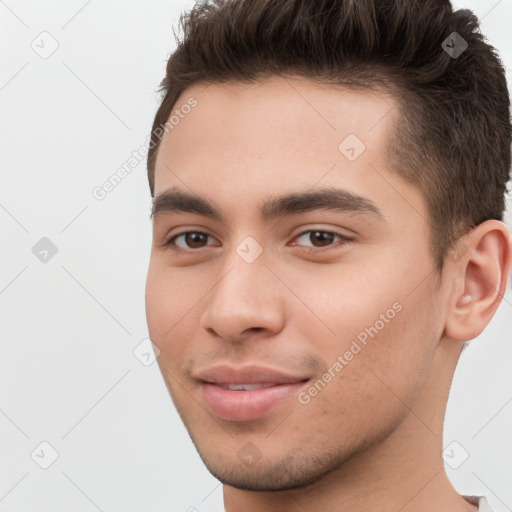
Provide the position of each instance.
(171, 245)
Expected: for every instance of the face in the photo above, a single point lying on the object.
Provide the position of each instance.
(299, 289)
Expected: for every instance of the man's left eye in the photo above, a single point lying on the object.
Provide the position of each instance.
(323, 238)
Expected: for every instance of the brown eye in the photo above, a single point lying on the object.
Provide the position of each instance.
(195, 240)
(189, 240)
(322, 237)
(319, 238)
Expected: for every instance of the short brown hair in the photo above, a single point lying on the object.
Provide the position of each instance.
(453, 140)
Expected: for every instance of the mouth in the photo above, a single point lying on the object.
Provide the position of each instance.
(244, 387)
(239, 402)
(249, 392)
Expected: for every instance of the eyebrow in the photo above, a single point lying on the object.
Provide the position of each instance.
(331, 199)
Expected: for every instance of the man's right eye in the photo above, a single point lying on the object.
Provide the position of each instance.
(190, 240)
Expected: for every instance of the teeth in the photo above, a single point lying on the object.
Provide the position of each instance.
(245, 387)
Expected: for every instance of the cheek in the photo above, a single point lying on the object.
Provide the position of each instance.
(165, 314)
(157, 301)
(175, 300)
(383, 336)
(171, 296)
(364, 387)
(346, 304)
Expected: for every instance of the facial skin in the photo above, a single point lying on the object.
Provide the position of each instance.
(372, 437)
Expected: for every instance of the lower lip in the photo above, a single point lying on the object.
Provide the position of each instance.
(246, 405)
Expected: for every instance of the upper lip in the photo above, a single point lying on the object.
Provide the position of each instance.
(252, 374)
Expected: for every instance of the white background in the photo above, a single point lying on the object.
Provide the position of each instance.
(68, 374)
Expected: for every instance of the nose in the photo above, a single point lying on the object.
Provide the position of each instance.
(245, 299)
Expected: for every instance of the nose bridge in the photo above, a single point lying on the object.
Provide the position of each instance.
(245, 296)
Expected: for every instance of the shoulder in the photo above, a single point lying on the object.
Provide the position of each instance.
(481, 501)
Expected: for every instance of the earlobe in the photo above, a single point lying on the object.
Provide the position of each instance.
(482, 276)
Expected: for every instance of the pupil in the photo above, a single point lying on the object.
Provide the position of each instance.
(193, 238)
(322, 235)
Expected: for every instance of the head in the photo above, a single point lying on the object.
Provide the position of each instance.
(285, 121)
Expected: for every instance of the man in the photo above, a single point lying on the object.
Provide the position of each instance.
(328, 183)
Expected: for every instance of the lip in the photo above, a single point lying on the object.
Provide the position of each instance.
(250, 374)
(246, 405)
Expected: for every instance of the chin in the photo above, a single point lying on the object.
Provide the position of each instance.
(267, 475)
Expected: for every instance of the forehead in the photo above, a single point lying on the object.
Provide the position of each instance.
(276, 115)
(278, 135)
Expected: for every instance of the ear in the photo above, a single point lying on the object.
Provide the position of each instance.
(481, 274)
